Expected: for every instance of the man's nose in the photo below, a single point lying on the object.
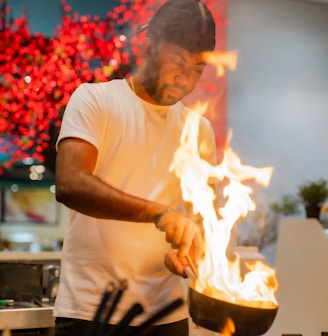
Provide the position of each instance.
(182, 78)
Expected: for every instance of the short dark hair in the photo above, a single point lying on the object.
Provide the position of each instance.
(187, 23)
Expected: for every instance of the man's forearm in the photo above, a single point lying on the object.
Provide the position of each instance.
(93, 197)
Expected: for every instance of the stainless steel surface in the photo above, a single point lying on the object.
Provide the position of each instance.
(22, 315)
(50, 280)
(26, 318)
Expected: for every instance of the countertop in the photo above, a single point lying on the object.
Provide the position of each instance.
(26, 318)
(18, 317)
(30, 256)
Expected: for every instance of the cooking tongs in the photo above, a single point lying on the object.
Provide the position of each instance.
(191, 270)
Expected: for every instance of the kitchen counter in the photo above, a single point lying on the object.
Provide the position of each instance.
(26, 318)
(19, 317)
(30, 256)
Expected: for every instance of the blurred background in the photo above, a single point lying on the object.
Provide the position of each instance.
(275, 104)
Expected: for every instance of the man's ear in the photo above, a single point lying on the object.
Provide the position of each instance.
(146, 47)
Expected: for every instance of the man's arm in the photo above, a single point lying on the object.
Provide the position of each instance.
(79, 189)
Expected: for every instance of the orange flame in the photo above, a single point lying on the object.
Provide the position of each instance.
(229, 328)
(221, 60)
(218, 276)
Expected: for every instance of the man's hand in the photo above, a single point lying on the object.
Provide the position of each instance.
(183, 234)
(174, 264)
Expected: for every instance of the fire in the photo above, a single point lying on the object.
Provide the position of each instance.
(219, 276)
(228, 329)
(221, 60)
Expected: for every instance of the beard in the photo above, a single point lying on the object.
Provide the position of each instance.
(160, 93)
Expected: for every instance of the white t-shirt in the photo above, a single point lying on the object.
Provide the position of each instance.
(136, 142)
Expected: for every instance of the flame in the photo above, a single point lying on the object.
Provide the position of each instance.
(229, 328)
(219, 276)
(221, 60)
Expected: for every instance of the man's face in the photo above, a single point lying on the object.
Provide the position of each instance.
(171, 72)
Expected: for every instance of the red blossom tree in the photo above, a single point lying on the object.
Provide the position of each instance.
(38, 74)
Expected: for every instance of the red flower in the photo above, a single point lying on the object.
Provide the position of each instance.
(38, 74)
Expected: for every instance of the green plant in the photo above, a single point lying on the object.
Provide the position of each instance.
(287, 206)
(313, 193)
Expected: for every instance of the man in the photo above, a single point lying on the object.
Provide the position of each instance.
(115, 147)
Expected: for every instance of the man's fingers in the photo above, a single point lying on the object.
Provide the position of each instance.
(174, 264)
(183, 235)
(183, 250)
(197, 247)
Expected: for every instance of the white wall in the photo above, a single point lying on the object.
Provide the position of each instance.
(277, 96)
